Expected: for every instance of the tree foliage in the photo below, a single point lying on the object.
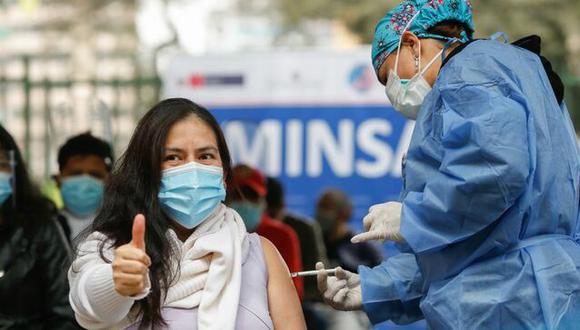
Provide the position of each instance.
(556, 21)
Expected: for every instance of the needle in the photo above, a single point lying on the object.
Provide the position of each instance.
(312, 273)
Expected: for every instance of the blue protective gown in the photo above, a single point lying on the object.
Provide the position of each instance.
(490, 203)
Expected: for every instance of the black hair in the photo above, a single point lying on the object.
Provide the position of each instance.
(26, 206)
(335, 199)
(451, 29)
(274, 196)
(83, 145)
(133, 189)
(243, 193)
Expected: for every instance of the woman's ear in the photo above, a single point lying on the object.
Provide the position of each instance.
(410, 39)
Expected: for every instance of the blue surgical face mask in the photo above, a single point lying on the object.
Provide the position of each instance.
(251, 213)
(5, 187)
(190, 193)
(82, 194)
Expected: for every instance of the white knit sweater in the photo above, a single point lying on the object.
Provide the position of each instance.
(214, 250)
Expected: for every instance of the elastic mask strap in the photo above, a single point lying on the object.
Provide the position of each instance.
(447, 45)
(401, 41)
(12, 161)
(498, 35)
(431, 63)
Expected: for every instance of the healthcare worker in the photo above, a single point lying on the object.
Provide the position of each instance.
(489, 212)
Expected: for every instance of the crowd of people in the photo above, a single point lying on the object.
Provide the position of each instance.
(41, 241)
(173, 235)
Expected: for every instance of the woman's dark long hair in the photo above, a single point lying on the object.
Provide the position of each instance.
(26, 206)
(134, 186)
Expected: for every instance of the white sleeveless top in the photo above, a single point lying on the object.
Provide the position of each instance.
(253, 311)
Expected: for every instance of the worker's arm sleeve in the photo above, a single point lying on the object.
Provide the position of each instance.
(392, 290)
(483, 139)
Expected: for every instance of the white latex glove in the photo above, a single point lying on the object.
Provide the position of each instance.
(341, 291)
(382, 223)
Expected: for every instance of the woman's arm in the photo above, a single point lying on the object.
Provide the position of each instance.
(283, 300)
(93, 296)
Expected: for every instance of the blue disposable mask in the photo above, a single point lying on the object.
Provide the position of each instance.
(190, 193)
(5, 187)
(251, 213)
(82, 194)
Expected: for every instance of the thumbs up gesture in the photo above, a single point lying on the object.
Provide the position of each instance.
(131, 263)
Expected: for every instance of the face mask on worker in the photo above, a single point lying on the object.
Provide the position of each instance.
(190, 193)
(5, 187)
(82, 194)
(407, 95)
(251, 213)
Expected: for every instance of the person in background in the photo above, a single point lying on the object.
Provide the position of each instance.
(333, 212)
(33, 251)
(311, 246)
(164, 252)
(84, 163)
(247, 195)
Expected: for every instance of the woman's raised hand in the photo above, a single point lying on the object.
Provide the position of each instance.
(131, 263)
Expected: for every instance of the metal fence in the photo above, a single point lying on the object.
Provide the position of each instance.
(42, 106)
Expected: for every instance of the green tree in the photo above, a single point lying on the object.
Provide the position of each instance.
(556, 21)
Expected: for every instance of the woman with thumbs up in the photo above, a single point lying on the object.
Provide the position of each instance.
(165, 252)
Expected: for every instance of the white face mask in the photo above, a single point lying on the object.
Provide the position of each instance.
(407, 95)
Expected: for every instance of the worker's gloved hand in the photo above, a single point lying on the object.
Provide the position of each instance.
(382, 223)
(341, 291)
